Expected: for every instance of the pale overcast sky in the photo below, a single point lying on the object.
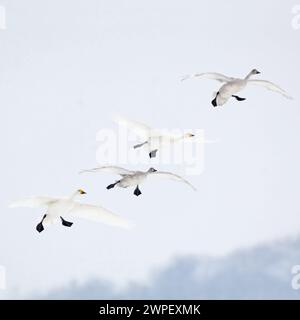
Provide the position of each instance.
(66, 66)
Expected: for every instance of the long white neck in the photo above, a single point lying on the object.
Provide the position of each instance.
(250, 74)
(177, 138)
(73, 195)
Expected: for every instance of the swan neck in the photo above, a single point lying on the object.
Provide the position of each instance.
(249, 75)
(73, 195)
(178, 138)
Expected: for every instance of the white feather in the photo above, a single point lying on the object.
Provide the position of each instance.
(98, 214)
(270, 86)
(172, 176)
(209, 75)
(33, 202)
(110, 169)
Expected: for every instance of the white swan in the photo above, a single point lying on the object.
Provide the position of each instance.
(66, 206)
(136, 178)
(153, 139)
(232, 86)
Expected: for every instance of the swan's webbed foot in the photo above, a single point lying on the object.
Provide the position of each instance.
(66, 223)
(238, 98)
(152, 154)
(214, 102)
(137, 191)
(40, 226)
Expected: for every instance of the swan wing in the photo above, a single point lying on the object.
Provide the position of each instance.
(172, 176)
(209, 75)
(112, 169)
(139, 128)
(98, 214)
(33, 202)
(270, 86)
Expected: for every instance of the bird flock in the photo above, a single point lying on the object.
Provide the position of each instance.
(152, 140)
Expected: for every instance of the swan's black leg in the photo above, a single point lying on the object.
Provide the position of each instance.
(40, 226)
(214, 102)
(152, 154)
(140, 145)
(137, 191)
(66, 223)
(112, 185)
(238, 98)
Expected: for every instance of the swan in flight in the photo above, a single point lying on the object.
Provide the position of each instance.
(152, 139)
(66, 206)
(232, 86)
(136, 178)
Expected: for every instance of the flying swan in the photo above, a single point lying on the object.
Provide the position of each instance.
(152, 139)
(66, 206)
(136, 178)
(232, 86)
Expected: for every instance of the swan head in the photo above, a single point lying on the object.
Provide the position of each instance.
(80, 191)
(188, 135)
(151, 170)
(255, 71)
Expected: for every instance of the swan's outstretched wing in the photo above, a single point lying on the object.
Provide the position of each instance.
(112, 169)
(270, 86)
(140, 129)
(209, 75)
(33, 202)
(98, 214)
(172, 176)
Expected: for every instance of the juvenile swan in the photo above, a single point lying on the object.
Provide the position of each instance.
(136, 178)
(232, 86)
(66, 206)
(152, 139)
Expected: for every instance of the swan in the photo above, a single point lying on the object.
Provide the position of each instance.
(232, 86)
(136, 178)
(153, 139)
(67, 206)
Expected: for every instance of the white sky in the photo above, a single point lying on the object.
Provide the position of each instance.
(65, 66)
